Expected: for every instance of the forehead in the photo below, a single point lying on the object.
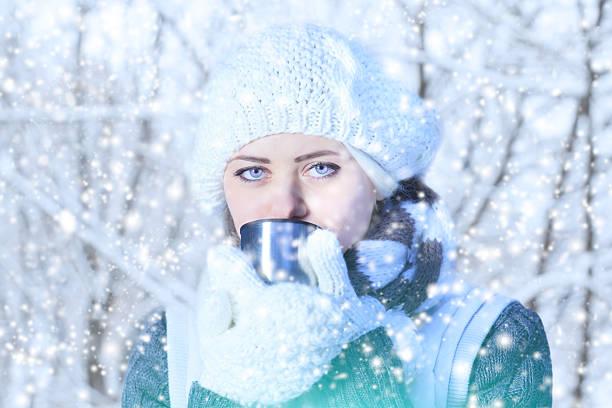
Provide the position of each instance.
(287, 144)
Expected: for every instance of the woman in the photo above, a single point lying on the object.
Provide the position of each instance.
(301, 123)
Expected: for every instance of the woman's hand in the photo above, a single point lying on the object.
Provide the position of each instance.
(269, 344)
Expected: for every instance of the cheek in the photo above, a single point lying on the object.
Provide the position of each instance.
(240, 206)
(243, 210)
(347, 212)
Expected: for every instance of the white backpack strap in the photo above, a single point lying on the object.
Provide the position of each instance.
(462, 341)
(177, 322)
(433, 323)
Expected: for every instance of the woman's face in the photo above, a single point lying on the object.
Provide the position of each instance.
(302, 177)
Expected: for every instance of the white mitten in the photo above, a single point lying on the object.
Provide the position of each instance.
(382, 255)
(326, 262)
(270, 343)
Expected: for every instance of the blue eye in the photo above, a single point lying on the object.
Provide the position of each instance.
(320, 169)
(252, 171)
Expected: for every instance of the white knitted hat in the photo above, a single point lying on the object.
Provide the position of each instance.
(309, 79)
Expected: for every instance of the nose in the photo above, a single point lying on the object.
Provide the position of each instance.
(287, 201)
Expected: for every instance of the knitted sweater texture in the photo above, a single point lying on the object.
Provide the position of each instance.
(367, 374)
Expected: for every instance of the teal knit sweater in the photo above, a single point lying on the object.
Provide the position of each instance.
(366, 374)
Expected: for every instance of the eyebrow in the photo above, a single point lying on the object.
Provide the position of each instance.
(297, 159)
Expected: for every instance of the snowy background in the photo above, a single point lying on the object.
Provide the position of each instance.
(99, 103)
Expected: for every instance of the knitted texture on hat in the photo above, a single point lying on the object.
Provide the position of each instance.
(311, 80)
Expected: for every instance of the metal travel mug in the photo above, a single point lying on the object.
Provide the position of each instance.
(273, 245)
